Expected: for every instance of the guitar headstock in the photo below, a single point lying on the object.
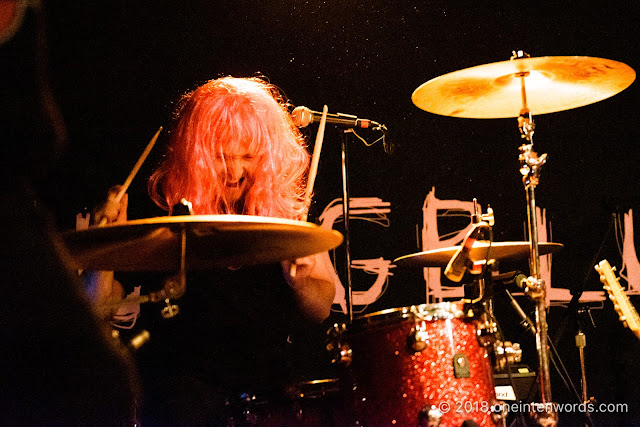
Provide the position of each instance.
(627, 313)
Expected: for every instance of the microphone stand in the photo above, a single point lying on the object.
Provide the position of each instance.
(345, 212)
(344, 138)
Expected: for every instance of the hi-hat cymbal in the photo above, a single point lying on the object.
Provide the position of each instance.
(499, 251)
(552, 83)
(213, 241)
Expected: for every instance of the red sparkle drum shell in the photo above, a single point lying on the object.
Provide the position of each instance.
(393, 383)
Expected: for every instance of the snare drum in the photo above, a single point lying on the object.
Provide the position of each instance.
(420, 365)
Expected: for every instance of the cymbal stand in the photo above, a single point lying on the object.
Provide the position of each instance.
(174, 286)
(581, 343)
(530, 164)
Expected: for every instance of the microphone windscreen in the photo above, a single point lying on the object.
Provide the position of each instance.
(302, 116)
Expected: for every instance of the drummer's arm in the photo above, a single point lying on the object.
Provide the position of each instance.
(312, 284)
(103, 289)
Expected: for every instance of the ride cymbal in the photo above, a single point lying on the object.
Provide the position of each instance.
(552, 83)
(213, 241)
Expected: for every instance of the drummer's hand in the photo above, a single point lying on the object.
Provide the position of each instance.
(311, 280)
(297, 270)
(112, 210)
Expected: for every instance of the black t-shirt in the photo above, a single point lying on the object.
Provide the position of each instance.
(233, 336)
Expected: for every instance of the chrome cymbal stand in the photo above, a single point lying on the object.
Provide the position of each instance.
(535, 288)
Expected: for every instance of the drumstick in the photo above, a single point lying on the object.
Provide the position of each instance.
(313, 170)
(134, 171)
(317, 148)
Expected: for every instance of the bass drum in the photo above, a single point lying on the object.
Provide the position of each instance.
(420, 365)
(317, 403)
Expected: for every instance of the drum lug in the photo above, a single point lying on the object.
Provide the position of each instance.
(461, 368)
(340, 351)
(418, 338)
(429, 416)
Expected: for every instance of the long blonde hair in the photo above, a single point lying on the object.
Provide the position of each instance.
(222, 114)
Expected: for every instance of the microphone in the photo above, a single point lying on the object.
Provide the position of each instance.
(516, 278)
(460, 260)
(302, 116)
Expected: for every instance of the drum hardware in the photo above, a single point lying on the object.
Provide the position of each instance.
(169, 310)
(534, 286)
(581, 343)
(486, 333)
(139, 340)
(461, 366)
(337, 346)
(500, 90)
(507, 353)
(418, 338)
(528, 325)
(482, 304)
(132, 344)
(175, 286)
(461, 261)
(430, 416)
(410, 362)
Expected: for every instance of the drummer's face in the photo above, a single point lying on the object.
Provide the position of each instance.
(234, 166)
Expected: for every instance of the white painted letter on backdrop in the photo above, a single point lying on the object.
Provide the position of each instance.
(630, 263)
(369, 209)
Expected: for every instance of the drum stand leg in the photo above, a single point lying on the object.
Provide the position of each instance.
(581, 343)
(535, 287)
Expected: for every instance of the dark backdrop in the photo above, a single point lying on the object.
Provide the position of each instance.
(116, 69)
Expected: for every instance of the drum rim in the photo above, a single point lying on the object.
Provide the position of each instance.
(427, 312)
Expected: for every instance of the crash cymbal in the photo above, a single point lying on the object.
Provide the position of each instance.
(552, 83)
(213, 241)
(499, 251)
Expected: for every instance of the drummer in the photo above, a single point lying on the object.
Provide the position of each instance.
(233, 150)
